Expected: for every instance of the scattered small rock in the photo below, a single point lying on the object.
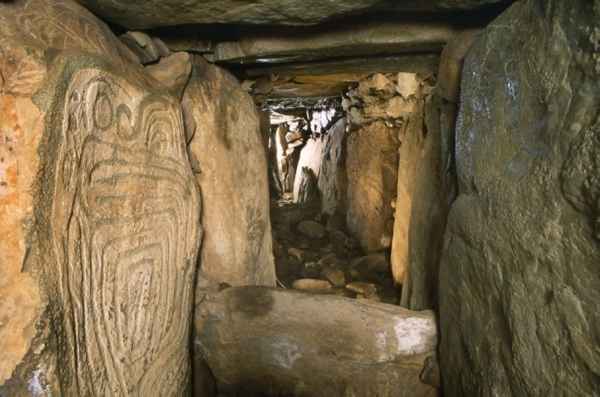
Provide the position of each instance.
(311, 284)
(329, 259)
(335, 276)
(366, 289)
(354, 274)
(311, 270)
(312, 229)
(373, 262)
(296, 253)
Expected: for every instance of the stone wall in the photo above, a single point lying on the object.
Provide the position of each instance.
(519, 281)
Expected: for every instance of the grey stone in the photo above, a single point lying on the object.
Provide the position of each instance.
(519, 280)
(172, 71)
(312, 229)
(335, 276)
(224, 127)
(154, 13)
(99, 222)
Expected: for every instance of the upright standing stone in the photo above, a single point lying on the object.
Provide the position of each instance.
(372, 171)
(103, 215)
(230, 163)
(332, 178)
(520, 281)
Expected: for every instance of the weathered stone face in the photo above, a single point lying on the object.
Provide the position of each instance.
(125, 224)
(149, 14)
(372, 173)
(520, 281)
(230, 165)
(101, 212)
(332, 178)
(282, 342)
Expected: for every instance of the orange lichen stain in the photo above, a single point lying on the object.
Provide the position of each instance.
(21, 126)
(10, 134)
(11, 176)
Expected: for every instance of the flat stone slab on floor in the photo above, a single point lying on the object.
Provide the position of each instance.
(282, 342)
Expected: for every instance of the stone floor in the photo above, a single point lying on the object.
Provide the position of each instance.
(313, 253)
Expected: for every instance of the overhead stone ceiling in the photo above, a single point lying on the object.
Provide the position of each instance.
(305, 49)
(156, 13)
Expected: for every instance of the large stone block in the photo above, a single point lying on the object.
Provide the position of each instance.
(372, 174)
(230, 164)
(99, 209)
(153, 13)
(332, 178)
(519, 281)
(276, 342)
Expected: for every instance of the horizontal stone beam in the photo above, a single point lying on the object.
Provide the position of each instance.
(370, 39)
(410, 63)
(281, 342)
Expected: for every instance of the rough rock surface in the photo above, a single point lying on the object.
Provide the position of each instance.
(292, 343)
(332, 178)
(520, 282)
(148, 14)
(374, 109)
(372, 169)
(365, 39)
(173, 71)
(230, 165)
(99, 218)
(427, 183)
(311, 158)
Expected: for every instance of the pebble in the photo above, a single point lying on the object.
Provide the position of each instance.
(311, 284)
(366, 289)
(296, 253)
(334, 276)
(312, 229)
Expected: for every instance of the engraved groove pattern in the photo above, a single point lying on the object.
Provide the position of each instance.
(126, 223)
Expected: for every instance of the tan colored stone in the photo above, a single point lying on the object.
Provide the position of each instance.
(407, 84)
(371, 167)
(335, 276)
(296, 253)
(173, 71)
(366, 289)
(92, 159)
(231, 169)
(281, 342)
(451, 62)
(311, 284)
